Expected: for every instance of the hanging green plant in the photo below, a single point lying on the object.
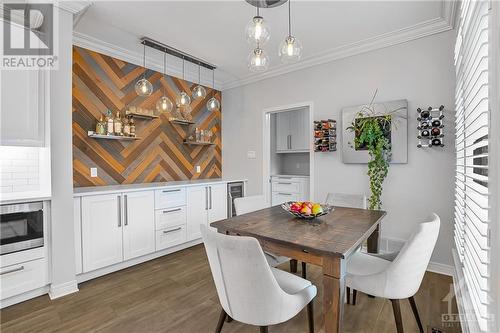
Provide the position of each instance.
(372, 132)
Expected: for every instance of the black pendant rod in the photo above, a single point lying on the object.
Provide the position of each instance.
(175, 52)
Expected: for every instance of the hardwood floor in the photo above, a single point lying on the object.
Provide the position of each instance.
(176, 293)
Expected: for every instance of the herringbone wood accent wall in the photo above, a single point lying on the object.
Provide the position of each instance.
(100, 83)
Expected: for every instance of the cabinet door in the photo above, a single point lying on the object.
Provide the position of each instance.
(22, 107)
(197, 210)
(282, 131)
(217, 203)
(299, 130)
(138, 224)
(77, 224)
(101, 231)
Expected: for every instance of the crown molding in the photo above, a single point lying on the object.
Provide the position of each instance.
(112, 50)
(73, 7)
(445, 22)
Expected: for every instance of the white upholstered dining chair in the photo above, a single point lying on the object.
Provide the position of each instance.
(251, 204)
(400, 278)
(250, 291)
(346, 200)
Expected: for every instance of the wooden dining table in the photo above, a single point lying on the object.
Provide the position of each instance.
(327, 241)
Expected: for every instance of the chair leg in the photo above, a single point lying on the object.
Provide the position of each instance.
(222, 318)
(229, 319)
(293, 265)
(310, 316)
(348, 292)
(397, 315)
(304, 270)
(354, 294)
(415, 313)
(263, 329)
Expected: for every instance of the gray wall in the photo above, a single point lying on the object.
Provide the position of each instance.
(420, 71)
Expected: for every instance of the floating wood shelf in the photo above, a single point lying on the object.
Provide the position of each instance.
(113, 137)
(198, 143)
(140, 115)
(181, 121)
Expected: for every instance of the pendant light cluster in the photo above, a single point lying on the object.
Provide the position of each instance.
(182, 101)
(258, 34)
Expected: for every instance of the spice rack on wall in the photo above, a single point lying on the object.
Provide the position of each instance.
(325, 135)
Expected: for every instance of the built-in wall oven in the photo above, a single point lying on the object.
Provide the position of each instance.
(21, 227)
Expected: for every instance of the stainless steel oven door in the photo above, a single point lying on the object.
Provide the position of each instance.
(21, 227)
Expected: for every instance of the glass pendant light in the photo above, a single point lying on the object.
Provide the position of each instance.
(258, 61)
(257, 31)
(291, 48)
(183, 98)
(143, 87)
(164, 104)
(213, 103)
(199, 91)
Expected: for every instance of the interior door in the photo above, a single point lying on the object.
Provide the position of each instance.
(217, 203)
(138, 224)
(197, 210)
(101, 231)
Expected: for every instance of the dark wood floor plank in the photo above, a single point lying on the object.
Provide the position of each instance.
(176, 294)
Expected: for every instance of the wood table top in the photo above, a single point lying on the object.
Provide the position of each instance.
(338, 233)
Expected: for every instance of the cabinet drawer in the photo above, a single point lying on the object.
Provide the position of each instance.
(170, 197)
(21, 278)
(170, 217)
(280, 197)
(170, 237)
(286, 186)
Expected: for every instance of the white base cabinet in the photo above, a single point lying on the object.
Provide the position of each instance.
(206, 204)
(117, 227)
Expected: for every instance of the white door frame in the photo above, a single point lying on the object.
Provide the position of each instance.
(266, 157)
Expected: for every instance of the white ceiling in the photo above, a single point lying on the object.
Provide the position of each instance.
(214, 30)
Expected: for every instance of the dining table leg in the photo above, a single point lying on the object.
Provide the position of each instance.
(333, 293)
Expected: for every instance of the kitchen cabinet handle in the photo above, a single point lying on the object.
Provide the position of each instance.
(210, 189)
(125, 208)
(206, 198)
(285, 183)
(169, 191)
(285, 193)
(119, 210)
(21, 268)
(169, 231)
(171, 210)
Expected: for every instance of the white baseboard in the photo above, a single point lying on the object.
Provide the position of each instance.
(23, 297)
(439, 268)
(63, 289)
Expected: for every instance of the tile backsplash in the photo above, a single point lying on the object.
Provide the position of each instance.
(22, 170)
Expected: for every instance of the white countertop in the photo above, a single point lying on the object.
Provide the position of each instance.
(91, 190)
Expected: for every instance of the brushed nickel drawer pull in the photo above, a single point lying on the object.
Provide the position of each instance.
(172, 210)
(169, 191)
(285, 183)
(285, 193)
(169, 231)
(13, 270)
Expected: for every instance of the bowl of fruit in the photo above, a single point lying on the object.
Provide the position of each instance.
(306, 210)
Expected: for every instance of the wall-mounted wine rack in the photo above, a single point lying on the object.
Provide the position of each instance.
(325, 135)
(430, 128)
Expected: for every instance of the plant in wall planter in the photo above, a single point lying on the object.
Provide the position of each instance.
(373, 133)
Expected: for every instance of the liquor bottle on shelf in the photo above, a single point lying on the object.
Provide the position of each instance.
(132, 127)
(126, 127)
(118, 124)
(100, 127)
(110, 127)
